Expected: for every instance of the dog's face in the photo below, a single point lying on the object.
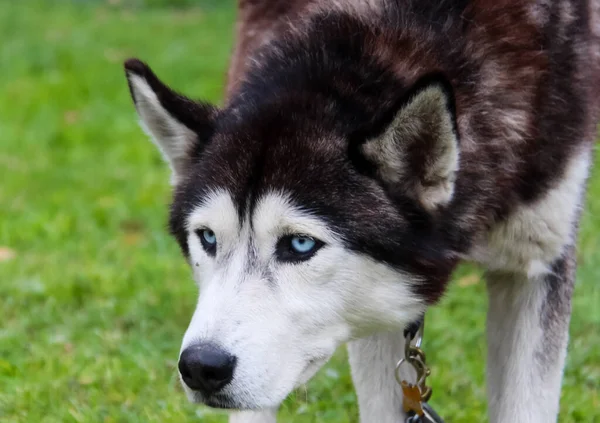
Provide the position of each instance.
(296, 247)
(279, 291)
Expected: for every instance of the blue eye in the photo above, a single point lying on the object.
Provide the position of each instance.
(208, 239)
(209, 236)
(297, 248)
(302, 244)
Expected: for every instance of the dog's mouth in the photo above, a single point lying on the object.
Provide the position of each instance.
(220, 401)
(226, 401)
(217, 400)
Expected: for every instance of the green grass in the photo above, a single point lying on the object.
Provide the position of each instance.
(95, 299)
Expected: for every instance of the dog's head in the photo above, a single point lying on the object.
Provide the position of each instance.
(302, 232)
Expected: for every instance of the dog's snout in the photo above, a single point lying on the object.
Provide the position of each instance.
(206, 367)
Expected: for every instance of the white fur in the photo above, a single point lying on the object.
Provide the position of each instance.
(171, 136)
(281, 320)
(263, 416)
(534, 236)
(521, 386)
(373, 361)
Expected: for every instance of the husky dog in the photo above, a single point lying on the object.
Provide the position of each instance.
(364, 150)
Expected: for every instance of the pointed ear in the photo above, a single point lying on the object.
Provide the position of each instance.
(177, 125)
(417, 151)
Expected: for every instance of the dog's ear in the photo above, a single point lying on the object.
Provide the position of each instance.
(416, 151)
(176, 124)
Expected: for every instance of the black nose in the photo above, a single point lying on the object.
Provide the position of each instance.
(205, 367)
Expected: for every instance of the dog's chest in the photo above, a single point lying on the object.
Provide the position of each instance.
(535, 235)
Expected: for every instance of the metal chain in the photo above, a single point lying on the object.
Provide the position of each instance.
(415, 356)
(415, 396)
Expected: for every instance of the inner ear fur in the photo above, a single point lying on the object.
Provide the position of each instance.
(177, 125)
(417, 150)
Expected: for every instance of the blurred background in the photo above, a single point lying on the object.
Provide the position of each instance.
(94, 294)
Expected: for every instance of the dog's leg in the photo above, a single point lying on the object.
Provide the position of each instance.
(263, 416)
(373, 362)
(528, 325)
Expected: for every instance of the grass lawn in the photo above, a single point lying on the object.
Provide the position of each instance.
(94, 296)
